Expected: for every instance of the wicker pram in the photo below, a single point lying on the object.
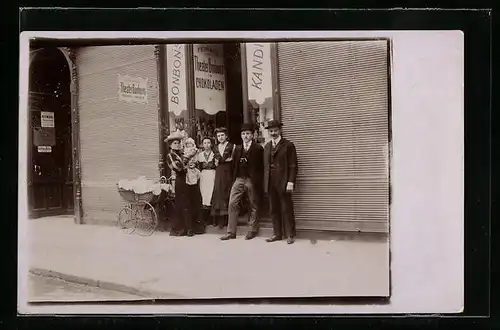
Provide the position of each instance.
(139, 215)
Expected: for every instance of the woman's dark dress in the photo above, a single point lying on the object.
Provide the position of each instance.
(182, 221)
(223, 181)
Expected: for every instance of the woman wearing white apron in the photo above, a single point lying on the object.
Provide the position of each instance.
(206, 161)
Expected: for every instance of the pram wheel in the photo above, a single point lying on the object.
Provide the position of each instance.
(145, 218)
(126, 220)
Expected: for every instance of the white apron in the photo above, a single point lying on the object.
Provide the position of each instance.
(207, 180)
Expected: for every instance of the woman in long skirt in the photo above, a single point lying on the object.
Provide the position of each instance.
(182, 222)
(223, 154)
(206, 161)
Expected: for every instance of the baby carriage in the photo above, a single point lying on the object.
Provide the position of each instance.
(140, 214)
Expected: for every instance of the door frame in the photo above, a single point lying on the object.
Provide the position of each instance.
(70, 56)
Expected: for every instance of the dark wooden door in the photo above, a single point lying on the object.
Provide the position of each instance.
(50, 176)
(51, 184)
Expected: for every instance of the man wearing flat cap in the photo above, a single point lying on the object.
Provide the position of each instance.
(248, 175)
(280, 172)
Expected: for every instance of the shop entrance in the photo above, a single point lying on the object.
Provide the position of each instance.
(207, 115)
(50, 176)
(234, 96)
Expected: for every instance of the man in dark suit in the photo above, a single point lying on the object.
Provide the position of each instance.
(248, 177)
(280, 172)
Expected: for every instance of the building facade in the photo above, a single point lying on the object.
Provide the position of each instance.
(333, 98)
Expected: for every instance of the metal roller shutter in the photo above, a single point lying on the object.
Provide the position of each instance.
(118, 139)
(334, 99)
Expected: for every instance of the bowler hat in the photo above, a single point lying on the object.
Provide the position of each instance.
(221, 130)
(247, 127)
(174, 136)
(273, 123)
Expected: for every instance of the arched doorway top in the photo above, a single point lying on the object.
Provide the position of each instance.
(65, 51)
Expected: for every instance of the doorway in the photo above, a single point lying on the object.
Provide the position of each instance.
(231, 114)
(50, 174)
(234, 94)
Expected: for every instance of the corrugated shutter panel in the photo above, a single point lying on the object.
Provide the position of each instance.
(334, 99)
(118, 139)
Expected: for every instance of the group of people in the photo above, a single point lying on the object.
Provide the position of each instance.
(210, 184)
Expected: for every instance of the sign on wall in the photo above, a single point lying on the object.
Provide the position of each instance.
(47, 119)
(132, 89)
(176, 71)
(209, 78)
(44, 149)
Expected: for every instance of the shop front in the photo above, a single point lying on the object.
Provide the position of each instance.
(204, 87)
(332, 97)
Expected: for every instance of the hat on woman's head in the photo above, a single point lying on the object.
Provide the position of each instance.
(174, 136)
(221, 130)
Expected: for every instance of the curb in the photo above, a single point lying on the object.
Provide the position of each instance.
(105, 285)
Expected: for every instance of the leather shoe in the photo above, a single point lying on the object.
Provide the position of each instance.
(190, 233)
(273, 238)
(227, 237)
(250, 235)
(290, 240)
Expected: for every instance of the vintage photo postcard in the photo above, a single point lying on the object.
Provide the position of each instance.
(238, 168)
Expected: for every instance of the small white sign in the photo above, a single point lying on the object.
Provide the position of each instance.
(47, 119)
(45, 149)
(132, 89)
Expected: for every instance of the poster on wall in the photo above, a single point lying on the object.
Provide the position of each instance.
(132, 89)
(47, 119)
(209, 78)
(259, 82)
(43, 128)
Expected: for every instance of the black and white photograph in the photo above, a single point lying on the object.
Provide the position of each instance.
(211, 168)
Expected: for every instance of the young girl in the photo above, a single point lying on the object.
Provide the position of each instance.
(223, 155)
(207, 167)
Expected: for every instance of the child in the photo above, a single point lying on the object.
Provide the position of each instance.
(190, 149)
(192, 178)
(206, 161)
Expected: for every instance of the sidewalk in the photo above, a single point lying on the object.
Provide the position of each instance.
(161, 266)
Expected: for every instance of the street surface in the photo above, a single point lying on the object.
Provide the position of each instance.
(204, 267)
(46, 288)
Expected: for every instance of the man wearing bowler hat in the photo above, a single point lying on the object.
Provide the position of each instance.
(280, 172)
(248, 177)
